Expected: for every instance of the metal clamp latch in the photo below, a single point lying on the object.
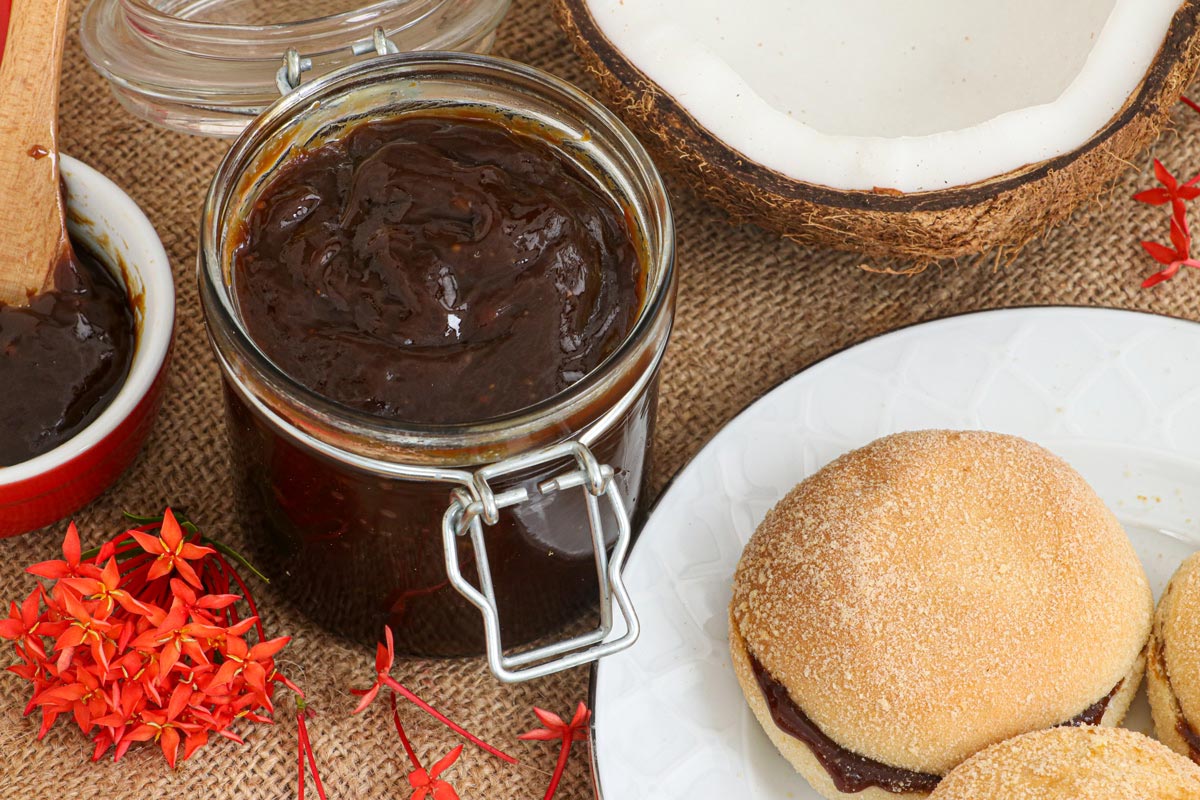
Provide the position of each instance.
(295, 65)
(470, 510)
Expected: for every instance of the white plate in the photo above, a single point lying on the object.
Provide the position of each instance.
(1116, 393)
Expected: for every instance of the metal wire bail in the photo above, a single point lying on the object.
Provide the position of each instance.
(471, 509)
(294, 65)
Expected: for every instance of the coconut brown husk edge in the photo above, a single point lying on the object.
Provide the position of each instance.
(1007, 211)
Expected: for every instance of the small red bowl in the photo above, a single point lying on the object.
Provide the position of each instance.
(58, 483)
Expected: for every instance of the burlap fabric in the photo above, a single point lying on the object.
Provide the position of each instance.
(753, 309)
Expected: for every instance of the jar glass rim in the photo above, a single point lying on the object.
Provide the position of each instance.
(660, 253)
(315, 36)
(368, 14)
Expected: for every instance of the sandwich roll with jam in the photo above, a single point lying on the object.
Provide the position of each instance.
(926, 596)
(1173, 671)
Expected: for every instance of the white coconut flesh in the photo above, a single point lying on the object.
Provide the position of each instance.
(915, 95)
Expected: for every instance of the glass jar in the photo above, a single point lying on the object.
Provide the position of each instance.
(423, 527)
(210, 66)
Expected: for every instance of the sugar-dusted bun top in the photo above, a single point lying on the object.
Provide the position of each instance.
(938, 591)
(1074, 764)
(1179, 635)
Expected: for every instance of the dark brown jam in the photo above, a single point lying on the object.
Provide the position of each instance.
(431, 270)
(63, 358)
(1095, 712)
(436, 270)
(1182, 726)
(851, 772)
(1189, 736)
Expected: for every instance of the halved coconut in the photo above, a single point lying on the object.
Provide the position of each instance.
(924, 129)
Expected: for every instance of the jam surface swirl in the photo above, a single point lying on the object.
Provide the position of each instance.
(436, 269)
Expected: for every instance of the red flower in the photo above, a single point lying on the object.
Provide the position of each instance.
(68, 568)
(174, 637)
(105, 589)
(575, 730)
(23, 623)
(1181, 238)
(84, 698)
(252, 664)
(384, 657)
(429, 784)
(172, 550)
(1172, 192)
(195, 604)
(566, 733)
(95, 632)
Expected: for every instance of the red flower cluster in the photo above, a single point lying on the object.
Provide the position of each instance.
(141, 640)
(1177, 194)
(1179, 254)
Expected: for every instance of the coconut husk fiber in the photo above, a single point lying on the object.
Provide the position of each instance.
(752, 310)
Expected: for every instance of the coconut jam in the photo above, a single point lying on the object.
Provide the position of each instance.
(436, 270)
(63, 357)
(431, 270)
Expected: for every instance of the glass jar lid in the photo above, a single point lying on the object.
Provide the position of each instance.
(210, 66)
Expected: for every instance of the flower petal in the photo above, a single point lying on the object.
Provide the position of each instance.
(70, 549)
(51, 570)
(549, 718)
(29, 608)
(161, 566)
(581, 715)
(151, 544)
(264, 650)
(1159, 277)
(1164, 175)
(367, 697)
(444, 764)
(540, 735)
(194, 742)
(169, 741)
(1159, 252)
(194, 551)
(1153, 197)
(187, 573)
(172, 535)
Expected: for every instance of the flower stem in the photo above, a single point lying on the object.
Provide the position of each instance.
(300, 753)
(403, 738)
(306, 748)
(560, 767)
(229, 552)
(249, 598)
(442, 718)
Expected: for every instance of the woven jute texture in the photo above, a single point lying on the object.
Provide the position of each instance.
(752, 310)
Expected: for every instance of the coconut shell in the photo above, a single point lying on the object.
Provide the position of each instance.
(1006, 211)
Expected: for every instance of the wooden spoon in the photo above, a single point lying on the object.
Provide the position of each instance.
(33, 232)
